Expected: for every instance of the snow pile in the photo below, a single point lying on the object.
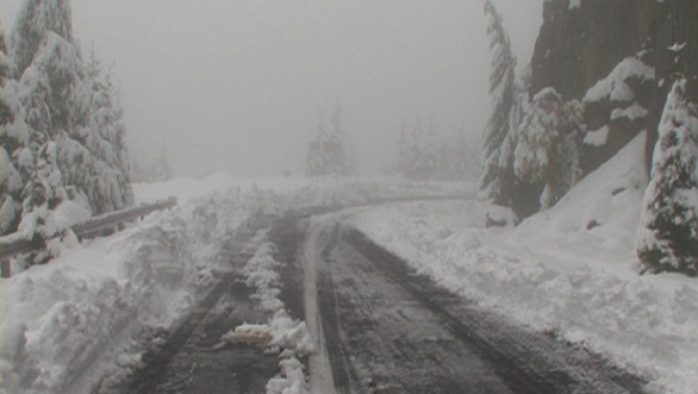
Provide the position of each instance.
(615, 86)
(79, 312)
(597, 137)
(282, 334)
(570, 271)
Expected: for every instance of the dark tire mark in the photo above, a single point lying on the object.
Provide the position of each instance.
(287, 236)
(190, 359)
(146, 379)
(343, 373)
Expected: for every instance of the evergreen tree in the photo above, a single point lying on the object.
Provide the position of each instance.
(668, 234)
(316, 159)
(105, 138)
(335, 146)
(36, 19)
(548, 144)
(11, 182)
(502, 92)
(327, 154)
(63, 123)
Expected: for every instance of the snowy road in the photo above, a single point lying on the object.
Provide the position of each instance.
(383, 329)
(378, 328)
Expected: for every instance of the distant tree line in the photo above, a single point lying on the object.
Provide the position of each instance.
(422, 158)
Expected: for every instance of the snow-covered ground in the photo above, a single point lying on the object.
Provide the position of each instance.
(79, 312)
(73, 321)
(570, 271)
(300, 192)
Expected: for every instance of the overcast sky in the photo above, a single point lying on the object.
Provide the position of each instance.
(240, 86)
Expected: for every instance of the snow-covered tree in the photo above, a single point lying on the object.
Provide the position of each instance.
(105, 138)
(415, 161)
(668, 234)
(61, 116)
(316, 159)
(36, 19)
(512, 191)
(502, 92)
(548, 144)
(11, 182)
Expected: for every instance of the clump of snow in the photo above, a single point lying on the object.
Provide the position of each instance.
(597, 137)
(614, 86)
(291, 381)
(570, 270)
(575, 4)
(69, 213)
(633, 112)
(499, 216)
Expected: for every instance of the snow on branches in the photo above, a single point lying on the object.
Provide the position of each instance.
(63, 136)
(548, 145)
(668, 234)
(502, 92)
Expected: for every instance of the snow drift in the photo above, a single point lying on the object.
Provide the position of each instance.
(570, 271)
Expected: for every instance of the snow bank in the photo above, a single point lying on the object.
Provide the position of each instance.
(80, 311)
(570, 271)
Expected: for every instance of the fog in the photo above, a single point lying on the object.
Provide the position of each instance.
(241, 86)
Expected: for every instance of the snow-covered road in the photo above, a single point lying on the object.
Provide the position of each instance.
(382, 329)
(378, 328)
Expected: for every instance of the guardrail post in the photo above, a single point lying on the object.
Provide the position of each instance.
(5, 268)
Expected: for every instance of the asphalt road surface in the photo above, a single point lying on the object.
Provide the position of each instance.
(378, 326)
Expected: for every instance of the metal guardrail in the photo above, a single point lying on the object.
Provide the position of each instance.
(14, 244)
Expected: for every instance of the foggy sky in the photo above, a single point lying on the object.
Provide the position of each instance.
(241, 86)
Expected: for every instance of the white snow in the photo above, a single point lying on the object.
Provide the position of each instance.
(78, 312)
(300, 192)
(614, 85)
(597, 137)
(570, 270)
(677, 47)
(633, 112)
(282, 334)
(67, 324)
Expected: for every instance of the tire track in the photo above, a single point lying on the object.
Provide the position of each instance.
(380, 339)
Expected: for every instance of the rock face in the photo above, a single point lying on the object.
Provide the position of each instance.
(580, 45)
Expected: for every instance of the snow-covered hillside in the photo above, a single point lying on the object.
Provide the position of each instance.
(570, 271)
